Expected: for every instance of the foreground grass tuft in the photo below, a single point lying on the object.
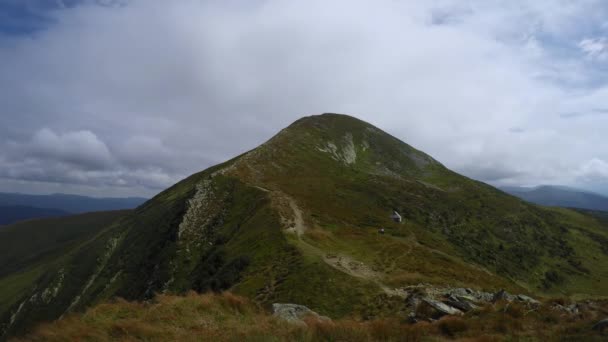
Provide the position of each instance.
(227, 317)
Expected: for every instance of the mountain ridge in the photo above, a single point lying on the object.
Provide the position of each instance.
(298, 220)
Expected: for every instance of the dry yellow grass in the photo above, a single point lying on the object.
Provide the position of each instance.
(227, 317)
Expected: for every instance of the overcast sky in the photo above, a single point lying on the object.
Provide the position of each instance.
(120, 97)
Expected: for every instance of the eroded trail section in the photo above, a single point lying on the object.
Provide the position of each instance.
(299, 226)
(341, 262)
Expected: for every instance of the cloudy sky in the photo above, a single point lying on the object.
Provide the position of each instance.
(120, 97)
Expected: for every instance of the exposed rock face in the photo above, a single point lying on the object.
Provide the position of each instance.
(295, 313)
(345, 151)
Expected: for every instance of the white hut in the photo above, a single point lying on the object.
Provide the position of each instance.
(396, 217)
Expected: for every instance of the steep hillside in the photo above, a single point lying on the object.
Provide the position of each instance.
(560, 197)
(26, 243)
(33, 254)
(298, 220)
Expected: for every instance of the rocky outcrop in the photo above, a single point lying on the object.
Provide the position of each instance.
(295, 313)
(427, 302)
(345, 151)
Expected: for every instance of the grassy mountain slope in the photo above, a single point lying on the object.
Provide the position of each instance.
(296, 220)
(31, 255)
(26, 243)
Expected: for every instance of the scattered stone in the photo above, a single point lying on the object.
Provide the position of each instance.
(425, 301)
(572, 308)
(295, 313)
(526, 299)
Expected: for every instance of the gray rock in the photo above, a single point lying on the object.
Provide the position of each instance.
(459, 292)
(601, 325)
(458, 303)
(485, 297)
(295, 313)
(412, 301)
(502, 295)
(573, 309)
(469, 299)
(442, 307)
(526, 299)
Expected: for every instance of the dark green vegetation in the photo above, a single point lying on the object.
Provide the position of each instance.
(32, 253)
(27, 243)
(558, 196)
(296, 220)
(15, 213)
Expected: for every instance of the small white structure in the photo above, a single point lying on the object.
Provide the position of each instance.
(396, 217)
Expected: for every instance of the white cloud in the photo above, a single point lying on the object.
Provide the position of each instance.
(170, 88)
(594, 170)
(81, 147)
(595, 48)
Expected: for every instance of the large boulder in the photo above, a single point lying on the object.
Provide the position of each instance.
(526, 299)
(442, 308)
(463, 303)
(601, 325)
(295, 313)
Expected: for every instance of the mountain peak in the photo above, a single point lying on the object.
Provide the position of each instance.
(307, 218)
(333, 141)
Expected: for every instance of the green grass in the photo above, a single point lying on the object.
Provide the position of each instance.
(456, 232)
(26, 243)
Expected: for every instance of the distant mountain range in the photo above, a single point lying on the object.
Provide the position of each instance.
(15, 213)
(560, 196)
(16, 207)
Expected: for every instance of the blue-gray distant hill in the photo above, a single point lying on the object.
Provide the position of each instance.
(559, 196)
(15, 213)
(17, 207)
